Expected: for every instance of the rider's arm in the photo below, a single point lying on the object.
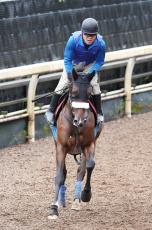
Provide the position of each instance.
(99, 60)
(68, 54)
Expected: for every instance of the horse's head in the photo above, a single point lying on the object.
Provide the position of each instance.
(79, 92)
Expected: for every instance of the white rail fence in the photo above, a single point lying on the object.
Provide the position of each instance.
(128, 58)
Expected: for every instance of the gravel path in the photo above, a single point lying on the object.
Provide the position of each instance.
(121, 182)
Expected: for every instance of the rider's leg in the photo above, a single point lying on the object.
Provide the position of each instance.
(63, 83)
(97, 98)
(49, 115)
(97, 104)
(96, 93)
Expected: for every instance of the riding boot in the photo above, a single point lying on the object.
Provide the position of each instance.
(97, 104)
(49, 115)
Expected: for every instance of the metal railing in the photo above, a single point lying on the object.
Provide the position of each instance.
(128, 58)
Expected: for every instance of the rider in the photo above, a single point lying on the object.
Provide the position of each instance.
(84, 51)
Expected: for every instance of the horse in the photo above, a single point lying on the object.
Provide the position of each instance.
(75, 135)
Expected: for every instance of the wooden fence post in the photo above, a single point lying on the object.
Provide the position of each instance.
(30, 107)
(127, 86)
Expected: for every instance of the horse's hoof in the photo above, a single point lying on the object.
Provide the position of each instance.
(86, 196)
(76, 205)
(62, 205)
(52, 217)
(53, 212)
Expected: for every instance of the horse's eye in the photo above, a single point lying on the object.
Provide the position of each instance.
(75, 94)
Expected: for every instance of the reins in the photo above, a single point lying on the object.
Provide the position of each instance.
(61, 90)
(50, 94)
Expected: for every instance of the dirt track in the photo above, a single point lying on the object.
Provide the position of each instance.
(121, 182)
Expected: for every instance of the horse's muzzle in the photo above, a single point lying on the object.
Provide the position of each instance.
(79, 122)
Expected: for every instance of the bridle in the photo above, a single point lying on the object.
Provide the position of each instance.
(78, 103)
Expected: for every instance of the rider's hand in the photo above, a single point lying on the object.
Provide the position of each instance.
(91, 75)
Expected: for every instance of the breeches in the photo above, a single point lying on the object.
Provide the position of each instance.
(63, 82)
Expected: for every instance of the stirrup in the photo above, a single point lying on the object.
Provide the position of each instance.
(100, 118)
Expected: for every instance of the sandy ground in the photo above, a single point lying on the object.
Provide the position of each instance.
(121, 182)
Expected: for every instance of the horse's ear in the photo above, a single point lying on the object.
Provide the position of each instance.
(74, 74)
(91, 75)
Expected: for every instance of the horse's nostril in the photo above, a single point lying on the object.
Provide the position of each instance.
(81, 124)
(75, 122)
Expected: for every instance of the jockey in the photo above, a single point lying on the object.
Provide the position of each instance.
(84, 51)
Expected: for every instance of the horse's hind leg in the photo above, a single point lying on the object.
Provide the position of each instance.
(86, 193)
(78, 184)
(61, 196)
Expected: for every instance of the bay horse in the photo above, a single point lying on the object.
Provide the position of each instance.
(75, 135)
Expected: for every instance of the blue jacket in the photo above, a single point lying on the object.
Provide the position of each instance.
(76, 52)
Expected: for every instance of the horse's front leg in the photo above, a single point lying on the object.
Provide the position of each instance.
(59, 182)
(90, 164)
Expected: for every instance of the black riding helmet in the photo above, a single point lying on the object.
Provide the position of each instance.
(89, 26)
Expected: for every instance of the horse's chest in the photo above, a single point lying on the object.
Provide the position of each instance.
(83, 137)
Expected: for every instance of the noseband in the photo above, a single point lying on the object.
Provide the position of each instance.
(78, 103)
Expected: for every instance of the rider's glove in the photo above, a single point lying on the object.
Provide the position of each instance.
(91, 75)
